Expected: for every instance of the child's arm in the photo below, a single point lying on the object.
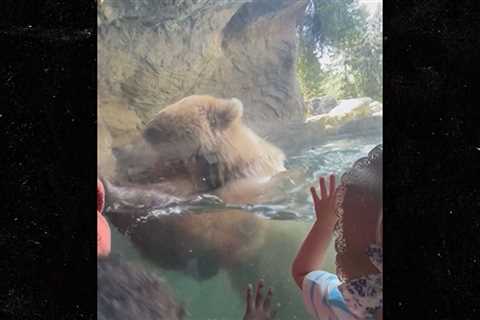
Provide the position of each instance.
(312, 252)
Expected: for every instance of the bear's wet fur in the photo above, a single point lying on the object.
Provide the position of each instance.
(198, 144)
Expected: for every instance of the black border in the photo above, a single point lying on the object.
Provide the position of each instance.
(431, 146)
(48, 69)
(432, 160)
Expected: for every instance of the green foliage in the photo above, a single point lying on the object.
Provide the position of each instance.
(331, 23)
(364, 58)
(342, 30)
(310, 74)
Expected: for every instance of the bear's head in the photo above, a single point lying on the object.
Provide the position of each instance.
(201, 140)
(193, 125)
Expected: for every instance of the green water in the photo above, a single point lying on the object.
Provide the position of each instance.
(221, 297)
(218, 298)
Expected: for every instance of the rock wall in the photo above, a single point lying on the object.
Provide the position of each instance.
(153, 53)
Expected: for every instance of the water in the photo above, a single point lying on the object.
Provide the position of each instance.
(221, 297)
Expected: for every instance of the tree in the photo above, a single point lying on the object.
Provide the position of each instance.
(364, 58)
(310, 73)
(331, 24)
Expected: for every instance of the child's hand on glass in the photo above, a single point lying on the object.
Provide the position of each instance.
(258, 307)
(325, 203)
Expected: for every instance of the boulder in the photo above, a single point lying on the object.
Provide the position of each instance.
(348, 106)
(362, 126)
(354, 117)
(320, 105)
(346, 111)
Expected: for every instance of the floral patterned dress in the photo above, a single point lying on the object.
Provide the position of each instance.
(328, 299)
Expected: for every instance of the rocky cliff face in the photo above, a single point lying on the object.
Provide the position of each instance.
(153, 53)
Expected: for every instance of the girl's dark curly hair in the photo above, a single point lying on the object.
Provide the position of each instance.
(358, 207)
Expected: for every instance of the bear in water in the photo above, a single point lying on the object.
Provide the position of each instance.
(197, 145)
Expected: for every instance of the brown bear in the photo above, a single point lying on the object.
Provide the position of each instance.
(198, 145)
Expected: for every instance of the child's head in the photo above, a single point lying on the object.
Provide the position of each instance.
(360, 216)
(126, 291)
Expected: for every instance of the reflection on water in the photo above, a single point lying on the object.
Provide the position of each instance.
(221, 297)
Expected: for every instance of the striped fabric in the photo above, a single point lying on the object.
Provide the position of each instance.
(322, 297)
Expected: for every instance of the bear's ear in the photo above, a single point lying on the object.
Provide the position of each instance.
(152, 135)
(226, 113)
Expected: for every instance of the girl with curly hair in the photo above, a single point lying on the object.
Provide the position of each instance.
(353, 212)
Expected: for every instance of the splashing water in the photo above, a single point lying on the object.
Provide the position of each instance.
(334, 157)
